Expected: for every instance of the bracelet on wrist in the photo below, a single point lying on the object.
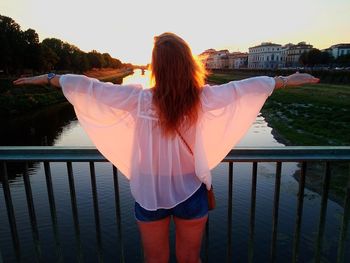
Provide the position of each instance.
(284, 81)
(50, 76)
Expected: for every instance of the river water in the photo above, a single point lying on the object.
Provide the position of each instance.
(58, 126)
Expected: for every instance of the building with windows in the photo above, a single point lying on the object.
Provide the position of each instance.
(267, 55)
(223, 59)
(290, 54)
(207, 58)
(237, 60)
(339, 50)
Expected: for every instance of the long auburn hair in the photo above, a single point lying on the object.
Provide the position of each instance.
(177, 77)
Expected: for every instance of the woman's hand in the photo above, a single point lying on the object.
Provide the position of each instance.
(36, 80)
(296, 79)
(39, 80)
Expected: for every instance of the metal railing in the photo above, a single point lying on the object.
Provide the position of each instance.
(302, 155)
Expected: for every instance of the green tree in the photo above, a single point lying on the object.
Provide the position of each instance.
(304, 59)
(21, 50)
(32, 54)
(116, 63)
(80, 62)
(107, 59)
(326, 58)
(343, 61)
(95, 59)
(49, 58)
(56, 45)
(11, 43)
(315, 57)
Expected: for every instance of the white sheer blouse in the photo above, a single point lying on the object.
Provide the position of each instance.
(122, 122)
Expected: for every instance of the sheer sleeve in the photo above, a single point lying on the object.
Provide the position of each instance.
(107, 113)
(228, 112)
(97, 100)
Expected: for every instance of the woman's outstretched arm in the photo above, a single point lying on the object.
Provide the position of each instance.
(39, 80)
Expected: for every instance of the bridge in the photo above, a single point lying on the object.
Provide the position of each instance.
(68, 155)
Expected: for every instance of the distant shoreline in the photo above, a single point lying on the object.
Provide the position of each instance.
(108, 74)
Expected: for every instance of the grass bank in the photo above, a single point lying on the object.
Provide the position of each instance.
(330, 76)
(109, 75)
(309, 115)
(16, 100)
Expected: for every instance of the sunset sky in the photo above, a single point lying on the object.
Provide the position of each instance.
(125, 29)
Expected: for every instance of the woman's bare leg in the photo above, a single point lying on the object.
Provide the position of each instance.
(155, 240)
(189, 234)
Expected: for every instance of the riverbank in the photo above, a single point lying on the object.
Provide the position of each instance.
(329, 76)
(309, 115)
(16, 100)
(109, 75)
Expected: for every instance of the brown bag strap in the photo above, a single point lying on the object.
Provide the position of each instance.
(210, 193)
(184, 141)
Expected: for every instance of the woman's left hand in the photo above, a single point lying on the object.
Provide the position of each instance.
(298, 79)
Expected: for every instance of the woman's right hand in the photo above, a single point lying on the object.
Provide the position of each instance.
(36, 80)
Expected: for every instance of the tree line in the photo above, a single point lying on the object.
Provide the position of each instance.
(21, 52)
(316, 57)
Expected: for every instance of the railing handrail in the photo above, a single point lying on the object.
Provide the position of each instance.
(239, 154)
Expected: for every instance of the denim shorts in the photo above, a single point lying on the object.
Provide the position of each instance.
(195, 206)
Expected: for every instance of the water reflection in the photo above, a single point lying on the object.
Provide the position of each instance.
(139, 76)
(38, 128)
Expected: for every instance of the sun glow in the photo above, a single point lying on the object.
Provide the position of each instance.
(125, 29)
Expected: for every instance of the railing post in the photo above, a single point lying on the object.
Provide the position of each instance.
(206, 244)
(117, 213)
(32, 214)
(10, 211)
(345, 222)
(299, 213)
(96, 212)
(229, 212)
(53, 211)
(275, 211)
(252, 213)
(74, 211)
(325, 188)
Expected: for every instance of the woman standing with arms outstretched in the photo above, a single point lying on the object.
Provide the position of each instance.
(166, 139)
